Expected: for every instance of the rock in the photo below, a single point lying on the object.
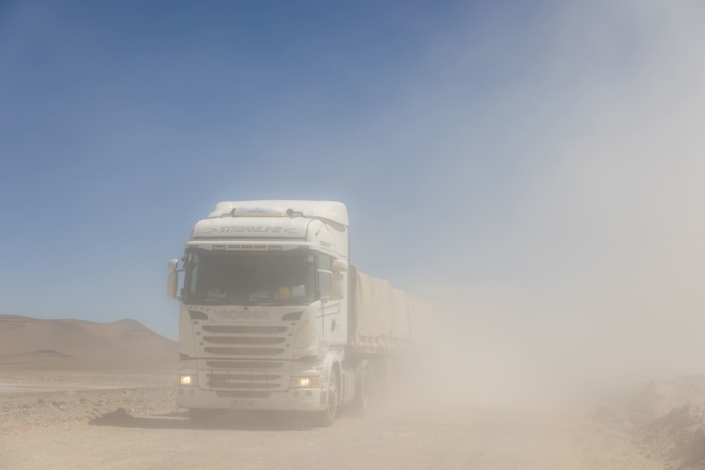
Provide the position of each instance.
(117, 416)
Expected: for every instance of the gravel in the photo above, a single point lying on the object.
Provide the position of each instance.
(38, 398)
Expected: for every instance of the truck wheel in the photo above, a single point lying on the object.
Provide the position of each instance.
(200, 415)
(362, 387)
(326, 417)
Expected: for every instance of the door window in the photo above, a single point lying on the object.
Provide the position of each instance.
(324, 275)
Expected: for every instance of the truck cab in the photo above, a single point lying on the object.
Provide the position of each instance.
(263, 311)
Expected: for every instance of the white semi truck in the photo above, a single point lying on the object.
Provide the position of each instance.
(274, 317)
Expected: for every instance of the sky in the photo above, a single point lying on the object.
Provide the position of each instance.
(531, 168)
(125, 124)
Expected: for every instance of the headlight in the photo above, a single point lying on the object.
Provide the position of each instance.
(187, 379)
(304, 382)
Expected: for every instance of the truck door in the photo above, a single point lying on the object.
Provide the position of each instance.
(332, 310)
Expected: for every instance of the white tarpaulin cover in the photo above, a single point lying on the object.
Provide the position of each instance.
(385, 311)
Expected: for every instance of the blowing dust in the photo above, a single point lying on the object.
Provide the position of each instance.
(579, 287)
(594, 278)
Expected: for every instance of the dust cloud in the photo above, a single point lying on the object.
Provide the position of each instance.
(584, 277)
(595, 276)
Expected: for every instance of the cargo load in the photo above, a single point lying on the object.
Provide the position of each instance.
(386, 318)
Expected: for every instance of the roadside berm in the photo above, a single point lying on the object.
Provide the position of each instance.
(666, 420)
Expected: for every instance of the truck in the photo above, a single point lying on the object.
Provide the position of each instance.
(273, 315)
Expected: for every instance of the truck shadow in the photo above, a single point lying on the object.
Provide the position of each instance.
(230, 421)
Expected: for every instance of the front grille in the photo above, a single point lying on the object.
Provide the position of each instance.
(245, 340)
(251, 382)
(263, 365)
(242, 340)
(244, 330)
(244, 351)
(251, 377)
(262, 380)
(242, 358)
(249, 394)
(244, 385)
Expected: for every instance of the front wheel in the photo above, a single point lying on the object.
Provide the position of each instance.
(326, 417)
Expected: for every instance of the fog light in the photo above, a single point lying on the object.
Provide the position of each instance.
(187, 380)
(304, 382)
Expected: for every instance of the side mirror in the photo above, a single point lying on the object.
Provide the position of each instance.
(172, 282)
(339, 266)
(172, 285)
(337, 286)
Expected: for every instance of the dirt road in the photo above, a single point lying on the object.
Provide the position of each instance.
(431, 439)
(54, 418)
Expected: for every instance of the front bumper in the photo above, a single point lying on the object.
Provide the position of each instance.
(294, 399)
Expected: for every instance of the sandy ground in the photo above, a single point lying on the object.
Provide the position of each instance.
(453, 439)
(65, 419)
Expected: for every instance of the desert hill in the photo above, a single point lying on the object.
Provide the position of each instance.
(124, 341)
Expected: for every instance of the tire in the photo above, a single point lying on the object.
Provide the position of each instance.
(326, 417)
(201, 415)
(363, 388)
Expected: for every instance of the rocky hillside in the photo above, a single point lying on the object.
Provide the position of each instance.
(666, 418)
(24, 339)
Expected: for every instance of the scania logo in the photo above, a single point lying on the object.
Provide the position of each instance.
(242, 315)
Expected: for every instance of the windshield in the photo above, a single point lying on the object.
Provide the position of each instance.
(249, 279)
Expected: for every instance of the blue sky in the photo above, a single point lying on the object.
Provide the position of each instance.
(125, 123)
(467, 139)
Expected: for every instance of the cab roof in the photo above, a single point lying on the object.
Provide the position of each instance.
(329, 210)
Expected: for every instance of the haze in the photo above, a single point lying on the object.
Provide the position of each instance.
(534, 170)
(545, 160)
